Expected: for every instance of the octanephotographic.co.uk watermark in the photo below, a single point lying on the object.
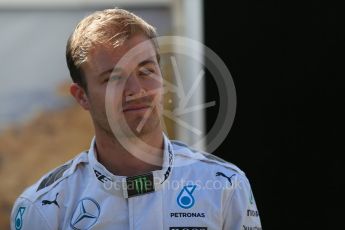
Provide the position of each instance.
(177, 184)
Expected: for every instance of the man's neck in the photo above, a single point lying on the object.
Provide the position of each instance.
(119, 158)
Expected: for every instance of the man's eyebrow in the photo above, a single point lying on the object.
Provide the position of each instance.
(109, 71)
(119, 70)
(147, 61)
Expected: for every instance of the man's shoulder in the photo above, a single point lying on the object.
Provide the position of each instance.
(187, 155)
(52, 179)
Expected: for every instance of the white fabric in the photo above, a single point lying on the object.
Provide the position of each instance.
(204, 193)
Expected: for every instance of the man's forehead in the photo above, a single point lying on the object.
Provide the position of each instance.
(105, 56)
(135, 56)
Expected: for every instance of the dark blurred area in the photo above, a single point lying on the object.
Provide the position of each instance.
(287, 65)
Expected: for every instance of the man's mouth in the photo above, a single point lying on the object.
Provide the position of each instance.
(135, 108)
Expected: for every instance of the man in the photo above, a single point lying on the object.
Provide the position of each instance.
(133, 176)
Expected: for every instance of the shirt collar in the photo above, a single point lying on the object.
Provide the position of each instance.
(117, 184)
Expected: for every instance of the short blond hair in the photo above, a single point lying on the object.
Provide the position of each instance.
(112, 26)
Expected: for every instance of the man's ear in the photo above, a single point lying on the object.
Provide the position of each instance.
(80, 95)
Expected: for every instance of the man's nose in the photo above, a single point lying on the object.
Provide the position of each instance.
(133, 86)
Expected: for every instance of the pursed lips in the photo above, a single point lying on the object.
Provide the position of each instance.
(135, 107)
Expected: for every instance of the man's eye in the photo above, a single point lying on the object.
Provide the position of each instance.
(146, 71)
(115, 78)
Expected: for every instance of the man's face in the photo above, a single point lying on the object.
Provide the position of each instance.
(125, 87)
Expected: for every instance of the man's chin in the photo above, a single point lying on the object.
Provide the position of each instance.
(139, 128)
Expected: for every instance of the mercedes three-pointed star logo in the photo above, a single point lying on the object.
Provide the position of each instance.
(85, 214)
